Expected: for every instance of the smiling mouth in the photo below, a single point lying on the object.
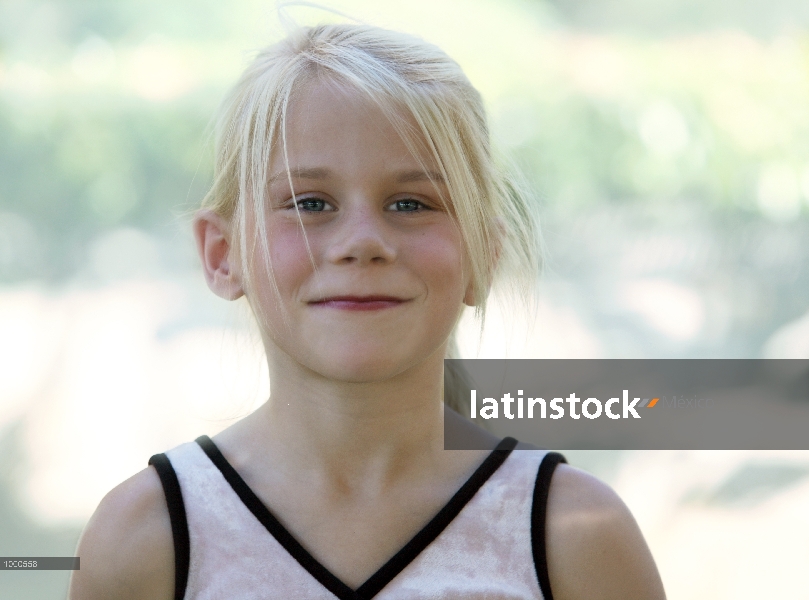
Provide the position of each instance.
(359, 302)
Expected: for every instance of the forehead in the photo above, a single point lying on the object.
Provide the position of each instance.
(333, 125)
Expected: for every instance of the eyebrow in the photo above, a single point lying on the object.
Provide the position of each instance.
(410, 176)
(302, 173)
(320, 173)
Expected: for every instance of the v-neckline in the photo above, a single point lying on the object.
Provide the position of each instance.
(387, 572)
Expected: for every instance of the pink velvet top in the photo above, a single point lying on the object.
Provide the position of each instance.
(485, 550)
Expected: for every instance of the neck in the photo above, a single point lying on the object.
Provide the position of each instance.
(358, 433)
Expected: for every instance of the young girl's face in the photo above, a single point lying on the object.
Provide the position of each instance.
(382, 282)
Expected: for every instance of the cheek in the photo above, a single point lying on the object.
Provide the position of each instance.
(441, 261)
(289, 264)
(289, 254)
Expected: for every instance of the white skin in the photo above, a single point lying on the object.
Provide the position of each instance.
(350, 445)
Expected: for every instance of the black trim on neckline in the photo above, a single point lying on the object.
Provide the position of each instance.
(439, 522)
(400, 560)
(273, 525)
(538, 519)
(179, 522)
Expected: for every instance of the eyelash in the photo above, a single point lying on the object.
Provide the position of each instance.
(420, 205)
(302, 203)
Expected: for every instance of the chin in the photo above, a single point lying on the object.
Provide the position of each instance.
(363, 369)
(365, 359)
(366, 363)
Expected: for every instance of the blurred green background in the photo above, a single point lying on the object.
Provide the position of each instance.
(667, 143)
(687, 120)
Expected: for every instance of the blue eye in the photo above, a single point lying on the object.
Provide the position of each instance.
(312, 205)
(407, 205)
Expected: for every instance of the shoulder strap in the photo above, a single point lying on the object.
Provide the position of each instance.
(179, 523)
(538, 517)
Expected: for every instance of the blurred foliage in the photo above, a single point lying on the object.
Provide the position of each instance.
(666, 17)
(702, 118)
(665, 140)
(89, 169)
(105, 110)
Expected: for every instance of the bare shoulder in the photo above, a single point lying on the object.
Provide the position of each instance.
(594, 546)
(127, 549)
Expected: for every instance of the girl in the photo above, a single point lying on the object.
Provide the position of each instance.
(357, 207)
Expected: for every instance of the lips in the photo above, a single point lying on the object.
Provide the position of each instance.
(359, 303)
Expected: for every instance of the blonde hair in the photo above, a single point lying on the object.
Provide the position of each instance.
(402, 75)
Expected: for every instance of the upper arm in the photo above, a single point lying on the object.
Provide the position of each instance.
(127, 549)
(595, 548)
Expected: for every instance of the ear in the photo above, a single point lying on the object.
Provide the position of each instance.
(469, 296)
(212, 234)
(497, 246)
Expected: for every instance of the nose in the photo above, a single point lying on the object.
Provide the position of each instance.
(362, 237)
